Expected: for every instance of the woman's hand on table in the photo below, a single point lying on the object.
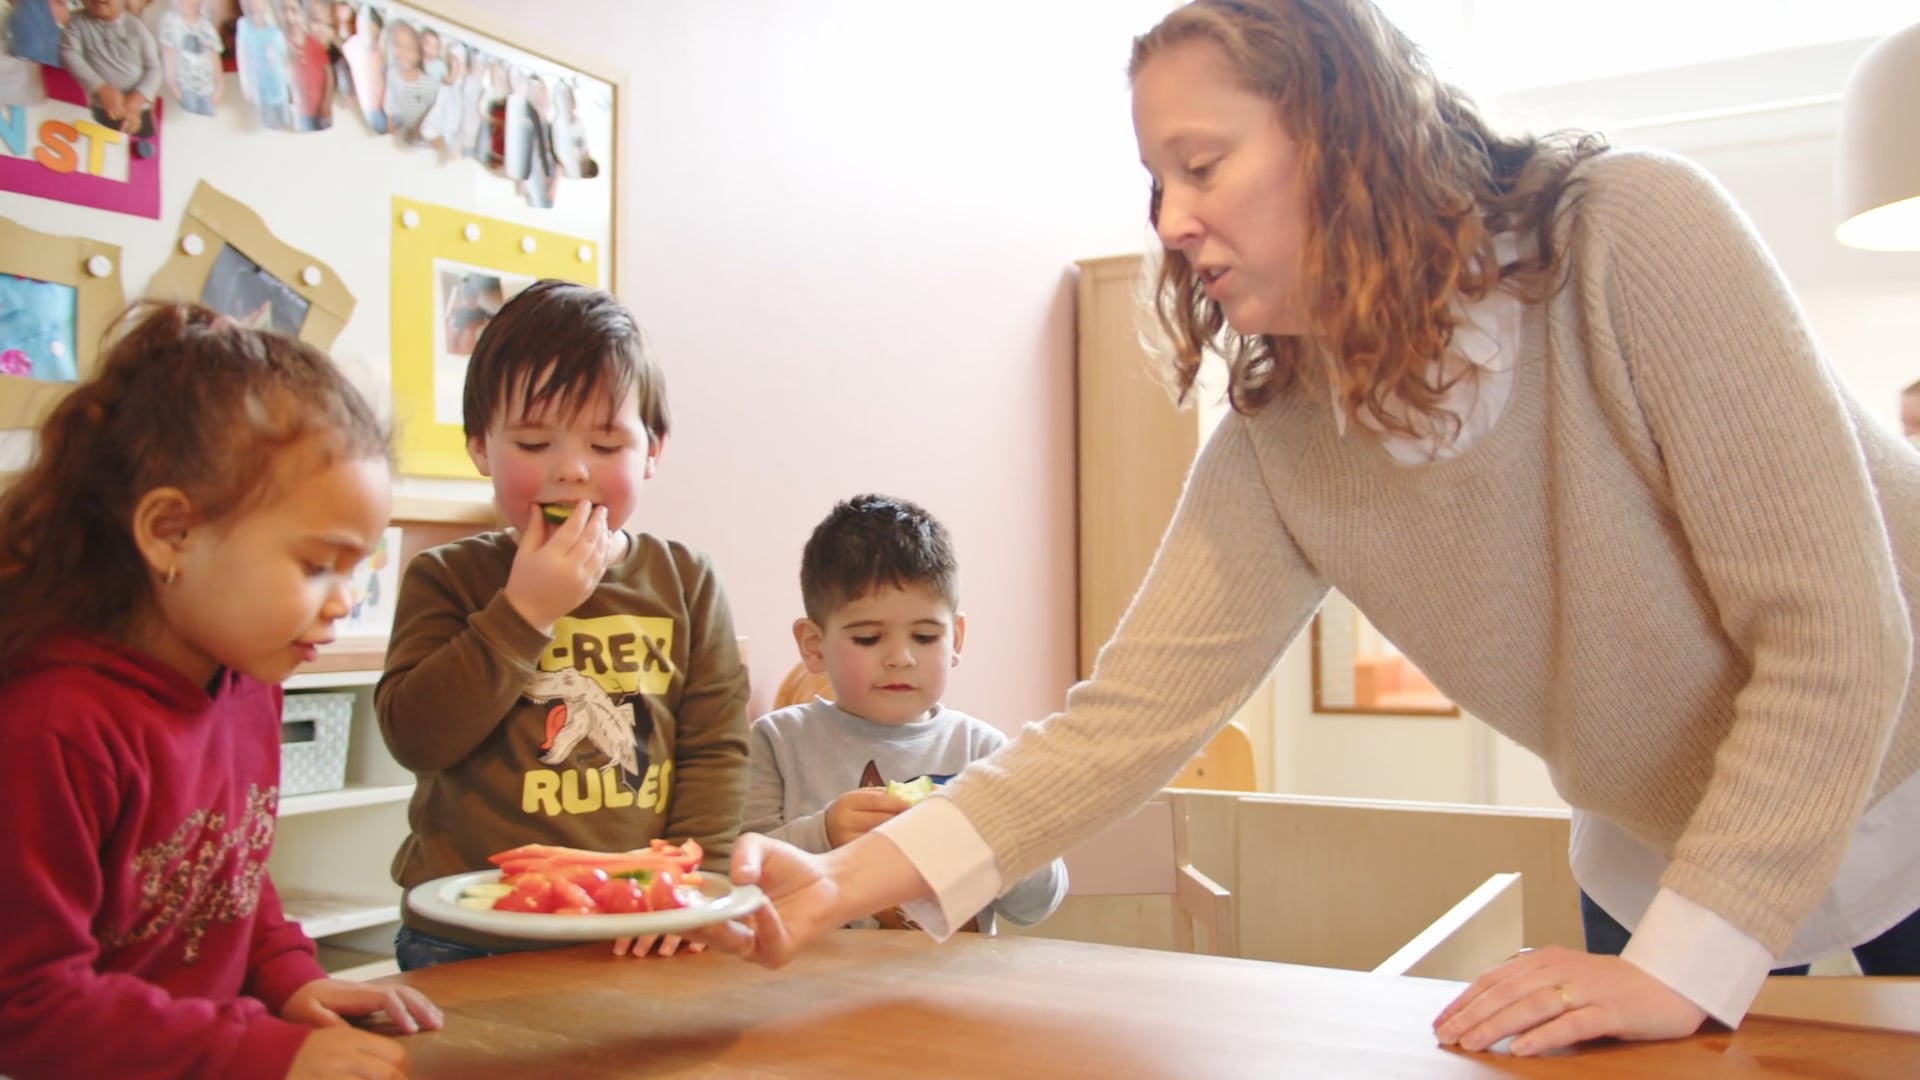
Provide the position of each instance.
(802, 898)
(1551, 998)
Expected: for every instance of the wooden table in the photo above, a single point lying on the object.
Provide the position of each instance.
(876, 1003)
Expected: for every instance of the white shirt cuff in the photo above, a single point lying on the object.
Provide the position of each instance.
(1700, 956)
(951, 856)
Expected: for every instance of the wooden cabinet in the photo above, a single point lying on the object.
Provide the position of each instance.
(1134, 448)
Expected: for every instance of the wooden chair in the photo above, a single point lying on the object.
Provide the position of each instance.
(1475, 934)
(1145, 854)
(1224, 764)
(800, 686)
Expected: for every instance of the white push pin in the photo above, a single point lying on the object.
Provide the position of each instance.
(586, 253)
(99, 266)
(192, 244)
(311, 275)
(410, 218)
(471, 232)
(526, 245)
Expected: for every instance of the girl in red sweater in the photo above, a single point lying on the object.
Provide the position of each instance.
(181, 542)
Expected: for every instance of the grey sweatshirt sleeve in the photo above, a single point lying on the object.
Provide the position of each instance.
(1035, 897)
(767, 795)
(73, 57)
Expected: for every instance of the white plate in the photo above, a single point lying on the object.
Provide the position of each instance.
(436, 900)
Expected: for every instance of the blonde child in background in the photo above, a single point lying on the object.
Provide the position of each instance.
(183, 539)
(881, 587)
(570, 683)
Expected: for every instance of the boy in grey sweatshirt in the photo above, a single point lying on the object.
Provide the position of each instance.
(880, 584)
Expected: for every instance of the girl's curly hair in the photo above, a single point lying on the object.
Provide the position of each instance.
(183, 398)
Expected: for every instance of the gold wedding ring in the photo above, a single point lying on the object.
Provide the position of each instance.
(1566, 999)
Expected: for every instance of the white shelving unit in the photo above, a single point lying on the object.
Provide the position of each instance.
(352, 795)
(332, 851)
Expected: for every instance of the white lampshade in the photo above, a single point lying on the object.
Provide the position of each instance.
(1879, 158)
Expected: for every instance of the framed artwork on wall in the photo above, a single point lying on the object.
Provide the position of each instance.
(451, 272)
(58, 296)
(1357, 670)
(225, 257)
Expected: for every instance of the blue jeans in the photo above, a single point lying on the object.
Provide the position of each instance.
(413, 949)
(1896, 952)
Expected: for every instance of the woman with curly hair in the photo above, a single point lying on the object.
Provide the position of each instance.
(1498, 391)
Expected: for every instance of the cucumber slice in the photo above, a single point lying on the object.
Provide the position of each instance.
(491, 891)
(477, 903)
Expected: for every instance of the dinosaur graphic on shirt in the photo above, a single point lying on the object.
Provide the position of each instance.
(585, 712)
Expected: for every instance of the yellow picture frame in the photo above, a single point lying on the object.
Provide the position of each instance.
(427, 241)
(99, 299)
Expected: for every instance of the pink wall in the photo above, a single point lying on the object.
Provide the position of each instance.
(848, 227)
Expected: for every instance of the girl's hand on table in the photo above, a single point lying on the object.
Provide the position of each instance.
(336, 1052)
(324, 1003)
(1551, 998)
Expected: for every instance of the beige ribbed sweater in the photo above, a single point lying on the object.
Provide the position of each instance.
(1667, 570)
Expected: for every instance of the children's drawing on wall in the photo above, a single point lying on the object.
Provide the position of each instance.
(372, 590)
(34, 28)
(467, 298)
(410, 86)
(364, 53)
(342, 18)
(425, 83)
(238, 288)
(310, 69)
(190, 51)
(265, 75)
(441, 127)
(570, 135)
(37, 329)
(113, 56)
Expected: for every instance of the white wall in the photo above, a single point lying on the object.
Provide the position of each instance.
(848, 227)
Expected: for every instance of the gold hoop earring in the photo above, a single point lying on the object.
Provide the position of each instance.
(173, 574)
